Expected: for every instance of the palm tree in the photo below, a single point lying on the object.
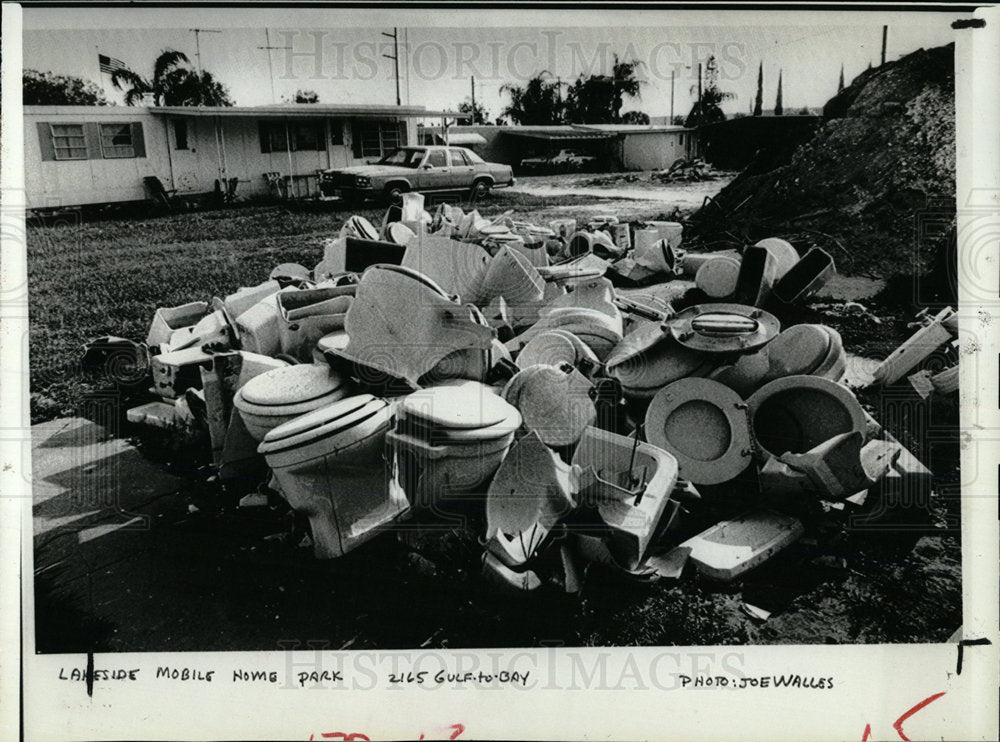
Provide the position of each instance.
(708, 109)
(173, 84)
(538, 102)
(137, 86)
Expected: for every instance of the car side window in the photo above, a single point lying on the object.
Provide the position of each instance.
(436, 158)
(458, 157)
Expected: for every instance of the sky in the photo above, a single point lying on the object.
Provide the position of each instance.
(339, 54)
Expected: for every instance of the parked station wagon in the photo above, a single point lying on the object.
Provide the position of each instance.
(426, 169)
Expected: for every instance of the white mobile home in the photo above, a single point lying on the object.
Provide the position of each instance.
(79, 155)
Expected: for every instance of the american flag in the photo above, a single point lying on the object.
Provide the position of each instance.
(110, 64)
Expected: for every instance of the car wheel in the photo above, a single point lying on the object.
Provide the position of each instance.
(394, 193)
(480, 189)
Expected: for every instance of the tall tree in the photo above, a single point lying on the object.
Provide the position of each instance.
(708, 109)
(598, 99)
(173, 83)
(538, 102)
(478, 116)
(46, 89)
(840, 85)
(778, 109)
(759, 100)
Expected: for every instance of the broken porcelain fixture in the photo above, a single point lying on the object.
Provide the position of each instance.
(331, 466)
(306, 315)
(457, 267)
(732, 547)
(402, 324)
(532, 490)
(167, 320)
(839, 467)
(806, 277)
(556, 347)
(630, 482)
(797, 413)
(554, 402)
(282, 394)
(258, 327)
(813, 350)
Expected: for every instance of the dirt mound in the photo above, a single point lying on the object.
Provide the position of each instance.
(875, 186)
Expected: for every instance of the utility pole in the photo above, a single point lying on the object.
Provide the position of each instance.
(394, 56)
(197, 56)
(473, 80)
(270, 64)
(671, 97)
(885, 35)
(700, 112)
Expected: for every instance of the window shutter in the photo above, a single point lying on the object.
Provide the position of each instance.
(265, 139)
(92, 134)
(356, 138)
(138, 141)
(45, 141)
(402, 132)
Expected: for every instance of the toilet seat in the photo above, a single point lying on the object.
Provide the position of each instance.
(283, 389)
(704, 425)
(325, 421)
(458, 404)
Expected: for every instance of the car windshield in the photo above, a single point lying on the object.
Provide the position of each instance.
(403, 158)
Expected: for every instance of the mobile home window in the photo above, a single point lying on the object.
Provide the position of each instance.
(116, 141)
(180, 134)
(68, 141)
(377, 137)
(308, 136)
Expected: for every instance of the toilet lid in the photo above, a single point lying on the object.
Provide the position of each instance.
(724, 328)
(661, 365)
(289, 385)
(400, 233)
(458, 404)
(704, 425)
(332, 418)
(415, 275)
(798, 350)
(639, 341)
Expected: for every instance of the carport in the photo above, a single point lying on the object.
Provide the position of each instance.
(543, 140)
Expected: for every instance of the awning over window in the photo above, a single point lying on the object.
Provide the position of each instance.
(462, 138)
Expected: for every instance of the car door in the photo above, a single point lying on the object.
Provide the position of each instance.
(463, 170)
(434, 172)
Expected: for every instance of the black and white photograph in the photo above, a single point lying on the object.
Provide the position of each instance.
(353, 332)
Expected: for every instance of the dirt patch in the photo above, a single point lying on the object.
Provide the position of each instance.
(875, 186)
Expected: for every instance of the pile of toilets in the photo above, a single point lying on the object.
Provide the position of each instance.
(487, 374)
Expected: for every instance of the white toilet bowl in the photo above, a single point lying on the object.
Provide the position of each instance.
(331, 465)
